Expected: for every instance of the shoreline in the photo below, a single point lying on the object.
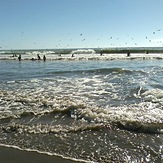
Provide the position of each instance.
(11, 154)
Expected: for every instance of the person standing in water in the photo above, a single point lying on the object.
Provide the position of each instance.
(44, 58)
(19, 58)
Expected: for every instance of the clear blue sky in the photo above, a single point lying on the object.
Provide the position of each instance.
(32, 24)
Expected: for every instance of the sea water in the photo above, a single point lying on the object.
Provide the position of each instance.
(94, 109)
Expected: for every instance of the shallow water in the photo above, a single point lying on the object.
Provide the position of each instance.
(92, 110)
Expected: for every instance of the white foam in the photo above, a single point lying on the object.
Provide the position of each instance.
(83, 51)
(154, 95)
(67, 92)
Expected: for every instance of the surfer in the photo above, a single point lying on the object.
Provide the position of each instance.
(146, 52)
(128, 54)
(44, 58)
(14, 55)
(19, 58)
(38, 57)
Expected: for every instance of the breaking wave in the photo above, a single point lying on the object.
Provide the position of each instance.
(144, 117)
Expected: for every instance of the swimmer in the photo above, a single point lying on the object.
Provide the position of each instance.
(14, 55)
(33, 59)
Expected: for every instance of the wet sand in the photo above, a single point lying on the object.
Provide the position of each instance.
(12, 155)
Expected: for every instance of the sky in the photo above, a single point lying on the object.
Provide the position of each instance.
(55, 24)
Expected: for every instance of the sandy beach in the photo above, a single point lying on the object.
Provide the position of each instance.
(12, 155)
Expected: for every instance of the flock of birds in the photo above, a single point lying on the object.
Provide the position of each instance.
(112, 39)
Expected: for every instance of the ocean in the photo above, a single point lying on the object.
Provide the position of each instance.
(83, 107)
